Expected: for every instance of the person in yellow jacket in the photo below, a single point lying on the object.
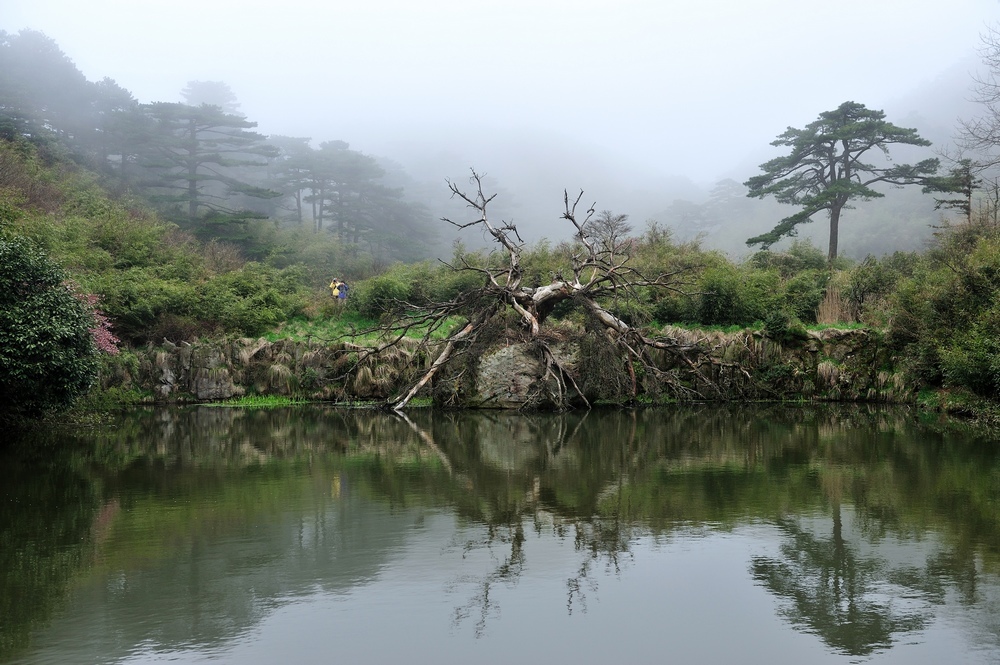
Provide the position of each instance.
(335, 287)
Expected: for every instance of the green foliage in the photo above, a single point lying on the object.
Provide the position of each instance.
(968, 321)
(379, 296)
(971, 358)
(129, 242)
(946, 315)
(418, 283)
(872, 281)
(11, 203)
(776, 374)
(802, 255)
(138, 301)
(790, 285)
(804, 292)
(632, 311)
(47, 356)
(656, 253)
(260, 402)
(248, 301)
(445, 284)
(731, 296)
(100, 400)
(541, 262)
(673, 309)
(783, 328)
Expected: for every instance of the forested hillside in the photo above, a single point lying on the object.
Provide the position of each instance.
(201, 163)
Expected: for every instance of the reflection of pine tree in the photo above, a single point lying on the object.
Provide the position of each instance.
(833, 592)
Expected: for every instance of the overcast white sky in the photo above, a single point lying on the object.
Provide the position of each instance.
(688, 88)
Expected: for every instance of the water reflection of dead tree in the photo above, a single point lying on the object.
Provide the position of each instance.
(427, 441)
(507, 572)
(599, 540)
(602, 538)
(563, 436)
(609, 537)
(606, 540)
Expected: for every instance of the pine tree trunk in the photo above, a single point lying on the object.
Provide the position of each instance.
(834, 232)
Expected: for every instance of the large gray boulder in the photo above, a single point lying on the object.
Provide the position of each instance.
(517, 376)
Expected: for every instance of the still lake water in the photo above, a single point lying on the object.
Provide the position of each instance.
(314, 535)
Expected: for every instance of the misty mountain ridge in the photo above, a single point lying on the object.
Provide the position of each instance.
(530, 170)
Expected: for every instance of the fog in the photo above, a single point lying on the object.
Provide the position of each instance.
(639, 103)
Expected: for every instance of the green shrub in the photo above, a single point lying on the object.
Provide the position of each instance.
(252, 299)
(631, 311)
(946, 315)
(721, 300)
(970, 358)
(783, 328)
(873, 280)
(804, 292)
(730, 296)
(446, 284)
(801, 256)
(378, 296)
(247, 301)
(11, 203)
(136, 299)
(47, 354)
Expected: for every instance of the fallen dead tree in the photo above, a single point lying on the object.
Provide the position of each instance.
(599, 275)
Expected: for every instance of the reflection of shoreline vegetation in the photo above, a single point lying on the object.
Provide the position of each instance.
(180, 477)
(659, 475)
(43, 538)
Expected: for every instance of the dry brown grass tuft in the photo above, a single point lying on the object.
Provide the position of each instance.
(828, 374)
(833, 309)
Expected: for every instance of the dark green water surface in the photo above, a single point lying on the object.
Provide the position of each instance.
(313, 535)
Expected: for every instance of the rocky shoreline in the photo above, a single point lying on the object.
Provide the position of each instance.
(824, 365)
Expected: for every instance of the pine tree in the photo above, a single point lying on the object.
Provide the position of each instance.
(194, 157)
(824, 168)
